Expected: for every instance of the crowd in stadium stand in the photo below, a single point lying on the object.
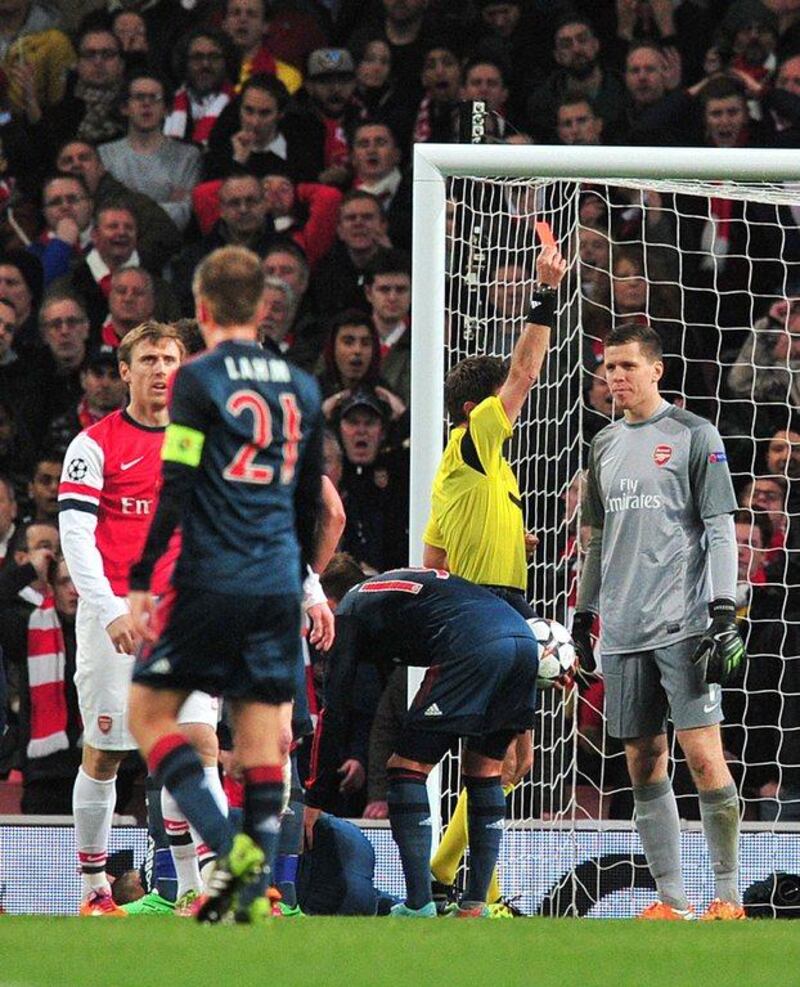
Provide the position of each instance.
(136, 136)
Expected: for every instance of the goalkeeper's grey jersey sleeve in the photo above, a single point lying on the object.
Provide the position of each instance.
(722, 555)
(651, 486)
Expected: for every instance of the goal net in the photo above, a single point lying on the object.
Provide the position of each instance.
(714, 267)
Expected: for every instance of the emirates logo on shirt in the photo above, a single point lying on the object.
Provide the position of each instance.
(662, 455)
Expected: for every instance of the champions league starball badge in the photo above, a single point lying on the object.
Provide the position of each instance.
(77, 470)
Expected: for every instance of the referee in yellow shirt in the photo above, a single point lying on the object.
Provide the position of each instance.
(476, 529)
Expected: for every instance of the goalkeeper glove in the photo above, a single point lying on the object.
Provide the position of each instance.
(721, 648)
(582, 636)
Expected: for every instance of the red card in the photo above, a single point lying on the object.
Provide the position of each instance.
(545, 234)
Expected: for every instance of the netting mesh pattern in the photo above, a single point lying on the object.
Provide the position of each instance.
(715, 268)
(545, 871)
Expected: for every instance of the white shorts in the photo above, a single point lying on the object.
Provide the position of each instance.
(103, 681)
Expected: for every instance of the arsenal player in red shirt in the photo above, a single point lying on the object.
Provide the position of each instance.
(107, 497)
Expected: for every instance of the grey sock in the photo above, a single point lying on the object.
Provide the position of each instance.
(660, 832)
(719, 810)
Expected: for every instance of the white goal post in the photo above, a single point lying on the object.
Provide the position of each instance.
(498, 175)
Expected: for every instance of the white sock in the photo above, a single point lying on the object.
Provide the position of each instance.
(93, 804)
(181, 845)
(206, 856)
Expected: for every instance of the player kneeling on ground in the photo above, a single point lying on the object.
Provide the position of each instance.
(481, 685)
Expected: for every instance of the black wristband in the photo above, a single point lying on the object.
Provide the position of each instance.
(723, 609)
(543, 306)
(582, 620)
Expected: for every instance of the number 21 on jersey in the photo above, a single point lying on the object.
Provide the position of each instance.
(243, 468)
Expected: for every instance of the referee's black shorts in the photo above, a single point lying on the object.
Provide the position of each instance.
(514, 598)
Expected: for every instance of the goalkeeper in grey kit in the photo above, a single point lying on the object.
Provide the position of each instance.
(662, 556)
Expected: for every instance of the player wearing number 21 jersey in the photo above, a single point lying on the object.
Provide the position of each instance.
(240, 417)
(242, 476)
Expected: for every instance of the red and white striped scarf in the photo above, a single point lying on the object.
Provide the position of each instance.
(202, 114)
(422, 125)
(46, 663)
(108, 334)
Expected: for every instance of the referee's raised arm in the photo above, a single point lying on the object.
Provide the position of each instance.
(531, 347)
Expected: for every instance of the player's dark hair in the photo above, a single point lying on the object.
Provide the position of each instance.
(231, 282)
(341, 574)
(473, 379)
(126, 888)
(632, 332)
(151, 332)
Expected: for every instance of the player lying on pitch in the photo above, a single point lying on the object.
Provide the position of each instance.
(481, 685)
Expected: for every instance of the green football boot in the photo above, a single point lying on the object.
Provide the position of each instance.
(152, 904)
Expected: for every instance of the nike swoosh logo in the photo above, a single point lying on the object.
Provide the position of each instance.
(133, 462)
(708, 707)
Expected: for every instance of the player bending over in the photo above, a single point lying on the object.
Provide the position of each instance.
(662, 556)
(241, 475)
(481, 685)
(476, 528)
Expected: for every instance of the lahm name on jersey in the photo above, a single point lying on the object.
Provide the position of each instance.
(629, 499)
(259, 368)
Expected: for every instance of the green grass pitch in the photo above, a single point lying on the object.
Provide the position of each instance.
(67, 952)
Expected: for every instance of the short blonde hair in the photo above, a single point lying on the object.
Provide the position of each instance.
(151, 332)
(231, 282)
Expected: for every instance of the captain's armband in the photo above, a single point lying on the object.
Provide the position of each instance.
(182, 445)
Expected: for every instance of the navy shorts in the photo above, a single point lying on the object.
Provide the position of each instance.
(239, 647)
(475, 696)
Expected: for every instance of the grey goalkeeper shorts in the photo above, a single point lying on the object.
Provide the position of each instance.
(644, 687)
